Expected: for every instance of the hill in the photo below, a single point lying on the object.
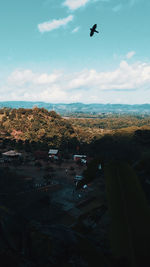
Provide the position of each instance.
(39, 125)
(35, 125)
(76, 108)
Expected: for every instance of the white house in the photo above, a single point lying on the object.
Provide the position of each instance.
(53, 153)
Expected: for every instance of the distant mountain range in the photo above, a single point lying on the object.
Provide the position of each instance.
(76, 108)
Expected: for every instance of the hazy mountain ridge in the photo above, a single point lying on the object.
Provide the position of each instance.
(66, 109)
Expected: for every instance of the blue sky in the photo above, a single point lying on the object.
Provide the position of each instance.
(46, 53)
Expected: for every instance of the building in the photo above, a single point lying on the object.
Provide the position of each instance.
(11, 155)
(81, 158)
(53, 154)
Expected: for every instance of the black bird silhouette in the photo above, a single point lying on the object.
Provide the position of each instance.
(93, 29)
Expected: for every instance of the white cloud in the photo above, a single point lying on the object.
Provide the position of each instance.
(130, 54)
(54, 24)
(127, 83)
(75, 29)
(74, 4)
(23, 77)
(126, 77)
(20, 77)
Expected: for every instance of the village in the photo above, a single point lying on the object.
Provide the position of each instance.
(46, 191)
(50, 190)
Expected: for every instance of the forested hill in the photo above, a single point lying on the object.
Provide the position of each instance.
(38, 125)
(75, 108)
(38, 128)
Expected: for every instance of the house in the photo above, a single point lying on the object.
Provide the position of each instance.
(11, 155)
(53, 154)
(81, 158)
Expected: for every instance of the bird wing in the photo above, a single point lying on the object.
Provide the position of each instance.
(94, 26)
(91, 33)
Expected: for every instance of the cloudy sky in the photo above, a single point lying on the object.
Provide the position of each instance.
(46, 53)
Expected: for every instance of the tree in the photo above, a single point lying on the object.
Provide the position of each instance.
(130, 215)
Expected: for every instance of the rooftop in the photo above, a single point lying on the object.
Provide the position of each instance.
(53, 151)
(11, 153)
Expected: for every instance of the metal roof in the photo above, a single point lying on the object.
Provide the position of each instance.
(53, 151)
(11, 153)
(79, 156)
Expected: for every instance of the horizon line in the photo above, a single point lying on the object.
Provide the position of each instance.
(64, 103)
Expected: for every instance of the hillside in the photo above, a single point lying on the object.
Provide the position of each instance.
(43, 211)
(38, 125)
(47, 127)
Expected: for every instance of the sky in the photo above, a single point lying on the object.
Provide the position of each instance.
(47, 54)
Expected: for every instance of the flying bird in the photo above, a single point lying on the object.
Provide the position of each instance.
(93, 29)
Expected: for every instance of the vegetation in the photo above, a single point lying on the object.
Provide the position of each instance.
(112, 121)
(35, 125)
(29, 221)
(39, 127)
(130, 215)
